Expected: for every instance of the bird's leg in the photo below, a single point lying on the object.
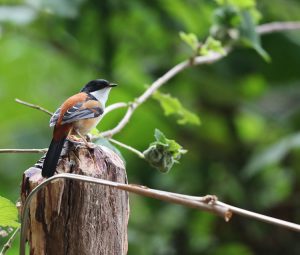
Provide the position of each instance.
(88, 137)
(89, 145)
(72, 137)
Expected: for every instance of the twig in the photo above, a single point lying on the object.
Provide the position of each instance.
(8, 244)
(253, 215)
(34, 106)
(277, 27)
(23, 150)
(260, 217)
(114, 107)
(211, 58)
(137, 152)
(206, 203)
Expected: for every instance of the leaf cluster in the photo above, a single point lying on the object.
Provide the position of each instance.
(235, 21)
(163, 153)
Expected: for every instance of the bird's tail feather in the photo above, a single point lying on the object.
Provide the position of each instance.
(52, 157)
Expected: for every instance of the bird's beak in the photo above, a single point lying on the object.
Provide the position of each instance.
(113, 85)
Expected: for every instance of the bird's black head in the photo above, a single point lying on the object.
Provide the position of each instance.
(96, 85)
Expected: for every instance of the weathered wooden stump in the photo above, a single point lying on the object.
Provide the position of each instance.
(71, 217)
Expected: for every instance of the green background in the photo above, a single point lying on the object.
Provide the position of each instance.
(246, 151)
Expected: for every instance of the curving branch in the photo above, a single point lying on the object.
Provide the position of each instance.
(199, 60)
(207, 203)
(114, 107)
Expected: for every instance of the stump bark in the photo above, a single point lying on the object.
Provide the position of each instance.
(71, 217)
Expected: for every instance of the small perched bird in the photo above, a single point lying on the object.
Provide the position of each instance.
(77, 115)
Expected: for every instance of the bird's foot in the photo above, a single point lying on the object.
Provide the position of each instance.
(90, 145)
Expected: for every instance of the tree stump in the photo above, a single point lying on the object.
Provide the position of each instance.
(71, 217)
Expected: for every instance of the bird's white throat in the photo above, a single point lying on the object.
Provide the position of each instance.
(102, 95)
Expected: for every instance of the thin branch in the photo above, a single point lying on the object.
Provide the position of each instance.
(114, 107)
(260, 217)
(252, 215)
(277, 27)
(8, 244)
(127, 147)
(34, 106)
(205, 203)
(211, 58)
(23, 150)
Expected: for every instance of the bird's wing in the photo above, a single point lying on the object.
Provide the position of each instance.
(54, 117)
(69, 112)
(82, 113)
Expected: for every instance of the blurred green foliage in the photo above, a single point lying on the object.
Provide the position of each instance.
(246, 150)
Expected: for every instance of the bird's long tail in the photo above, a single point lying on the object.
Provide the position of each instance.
(52, 157)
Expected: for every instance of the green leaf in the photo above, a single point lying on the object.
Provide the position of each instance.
(159, 136)
(172, 106)
(190, 39)
(249, 37)
(8, 213)
(163, 153)
(212, 45)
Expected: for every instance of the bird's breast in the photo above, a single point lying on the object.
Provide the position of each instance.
(86, 125)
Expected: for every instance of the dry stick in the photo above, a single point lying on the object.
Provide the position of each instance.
(23, 150)
(34, 106)
(260, 217)
(206, 203)
(8, 244)
(249, 214)
(211, 58)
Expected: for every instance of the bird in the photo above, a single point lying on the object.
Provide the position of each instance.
(79, 114)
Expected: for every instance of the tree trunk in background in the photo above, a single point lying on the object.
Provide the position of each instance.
(71, 217)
